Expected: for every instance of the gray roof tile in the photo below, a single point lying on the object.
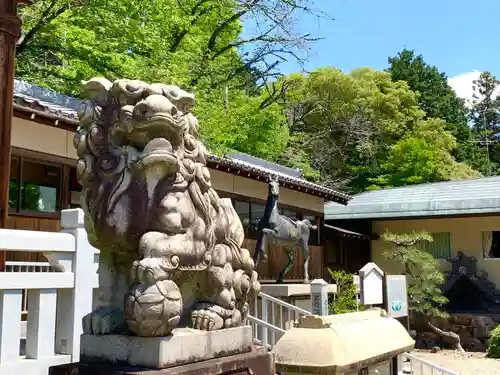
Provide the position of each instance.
(44, 100)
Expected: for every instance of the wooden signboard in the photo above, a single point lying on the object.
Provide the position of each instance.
(371, 279)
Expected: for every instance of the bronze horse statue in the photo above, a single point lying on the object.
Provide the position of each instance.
(284, 231)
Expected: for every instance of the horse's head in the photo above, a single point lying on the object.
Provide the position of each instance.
(274, 186)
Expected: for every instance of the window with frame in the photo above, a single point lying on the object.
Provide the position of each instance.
(256, 213)
(491, 244)
(242, 208)
(440, 248)
(34, 186)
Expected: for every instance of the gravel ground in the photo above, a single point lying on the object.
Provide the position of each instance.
(471, 364)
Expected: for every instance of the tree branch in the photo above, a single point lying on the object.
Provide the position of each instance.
(45, 18)
(451, 335)
(219, 29)
(179, 37)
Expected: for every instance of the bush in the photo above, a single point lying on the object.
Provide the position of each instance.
(345, 298)
(494, 343)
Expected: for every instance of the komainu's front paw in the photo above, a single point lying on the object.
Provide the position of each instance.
(211, 317)
(104, 321)
(206, 320)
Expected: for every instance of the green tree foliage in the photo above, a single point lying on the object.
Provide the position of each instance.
(357, 129)
(422, 272)
(424, 278)
(345, 298)
(485, 119)
(493, 349)
(184, 42)
(242, 124)
(436, 98)
(423, 156)
(191, 43)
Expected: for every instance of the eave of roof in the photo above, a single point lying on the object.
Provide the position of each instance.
(63, 109)
(466, 197)
(260, 173)
(347, 233)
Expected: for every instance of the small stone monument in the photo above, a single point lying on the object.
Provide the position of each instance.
(175, 283)
(319, 297)
(371, 279)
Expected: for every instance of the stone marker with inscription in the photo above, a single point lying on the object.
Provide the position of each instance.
(174, 281)
(319, 297)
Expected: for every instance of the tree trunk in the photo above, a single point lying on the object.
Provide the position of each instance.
(451, 335)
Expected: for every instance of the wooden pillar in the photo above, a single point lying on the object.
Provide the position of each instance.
(10, 29)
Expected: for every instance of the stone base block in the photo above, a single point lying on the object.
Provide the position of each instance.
(184, 346)
(255, 362)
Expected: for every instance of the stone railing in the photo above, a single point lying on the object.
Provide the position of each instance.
(57, 300)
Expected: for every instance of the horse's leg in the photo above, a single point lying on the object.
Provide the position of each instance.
(291, 260)
(304, 246)
(259, 248)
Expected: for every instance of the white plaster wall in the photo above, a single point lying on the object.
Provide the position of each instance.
(42, 138)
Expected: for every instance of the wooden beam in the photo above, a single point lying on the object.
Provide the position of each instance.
(10, 29)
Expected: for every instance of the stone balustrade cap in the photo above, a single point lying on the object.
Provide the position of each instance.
(341, 343)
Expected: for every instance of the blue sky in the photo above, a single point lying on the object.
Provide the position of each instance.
(460, 37)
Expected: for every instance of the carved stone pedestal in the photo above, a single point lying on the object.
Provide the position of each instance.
(184, 346)
(254, 362)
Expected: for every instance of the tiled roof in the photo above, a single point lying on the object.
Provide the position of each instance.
(50, 102)
(62, 107)
(282, 177)
(473, 196)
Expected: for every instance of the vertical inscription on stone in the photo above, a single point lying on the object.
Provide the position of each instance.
(319, 297)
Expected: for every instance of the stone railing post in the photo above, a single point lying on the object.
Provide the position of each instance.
(319, 297)
(74, 304)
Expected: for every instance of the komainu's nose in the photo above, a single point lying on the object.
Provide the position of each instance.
(155, 104)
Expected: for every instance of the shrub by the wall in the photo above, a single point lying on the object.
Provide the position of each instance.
(494, 343)
(345, 299)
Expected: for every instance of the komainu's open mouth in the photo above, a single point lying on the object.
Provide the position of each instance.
(159, 152)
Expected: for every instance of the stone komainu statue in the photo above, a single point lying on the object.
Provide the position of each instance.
(170, 247)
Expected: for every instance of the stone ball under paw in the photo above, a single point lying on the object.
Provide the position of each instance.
(153, 310)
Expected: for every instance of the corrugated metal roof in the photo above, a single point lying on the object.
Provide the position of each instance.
(474, 196)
